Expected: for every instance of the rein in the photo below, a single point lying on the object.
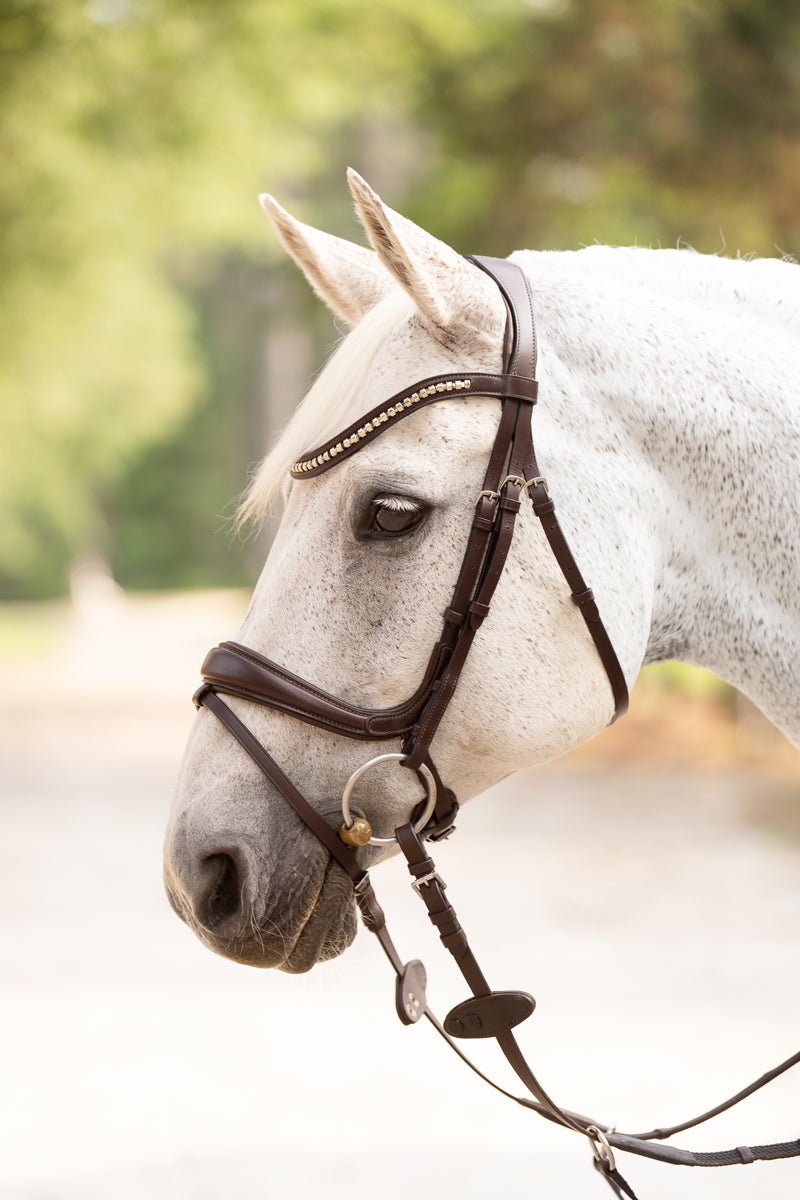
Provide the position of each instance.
(512, 474)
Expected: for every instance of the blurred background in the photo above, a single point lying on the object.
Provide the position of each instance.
(153, 341)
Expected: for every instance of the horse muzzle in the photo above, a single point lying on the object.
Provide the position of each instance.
(259, 913)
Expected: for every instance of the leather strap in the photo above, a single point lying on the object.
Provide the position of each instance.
(521, 355)
(240, 671)
(430, 887)
(308, 814)
(402, 404)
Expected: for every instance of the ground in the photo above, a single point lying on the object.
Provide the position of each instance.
(647, 892)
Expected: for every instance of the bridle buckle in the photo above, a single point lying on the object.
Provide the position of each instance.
(524, 486)
(424, 880)
(601, 1148)
(488, 495)
(529, 483)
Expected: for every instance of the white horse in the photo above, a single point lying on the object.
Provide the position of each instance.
(668, 427)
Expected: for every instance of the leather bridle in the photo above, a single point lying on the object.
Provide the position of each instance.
(512, 474)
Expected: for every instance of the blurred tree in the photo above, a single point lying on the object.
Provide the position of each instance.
(137, 283)
(621, 121)
(133, 136)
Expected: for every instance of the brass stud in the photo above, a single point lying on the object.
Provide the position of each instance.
(357, 834)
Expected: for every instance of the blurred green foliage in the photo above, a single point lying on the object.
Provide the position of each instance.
(138, 280)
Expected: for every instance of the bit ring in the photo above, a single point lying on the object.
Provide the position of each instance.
(430, 786)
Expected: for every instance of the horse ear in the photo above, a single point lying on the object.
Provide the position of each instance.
(454, 298)
(349, 278)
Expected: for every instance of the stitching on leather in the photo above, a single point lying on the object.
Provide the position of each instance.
(222, 685)
(286, 675)
(518, 323)
(533, 325)
(365, 714)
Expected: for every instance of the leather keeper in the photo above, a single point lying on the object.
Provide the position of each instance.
(543, 507)
(519, 387)
(476, 609)
(485, 523)
(587, 604)
(451, 940)
(445, 918)
(509, 504)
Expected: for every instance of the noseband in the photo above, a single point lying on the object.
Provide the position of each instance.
(512, 474)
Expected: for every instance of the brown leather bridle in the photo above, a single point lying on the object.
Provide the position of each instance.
(233, 669)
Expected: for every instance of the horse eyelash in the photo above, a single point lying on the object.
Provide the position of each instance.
(397, 503)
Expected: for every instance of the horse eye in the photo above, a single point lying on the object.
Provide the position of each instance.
(392, 516)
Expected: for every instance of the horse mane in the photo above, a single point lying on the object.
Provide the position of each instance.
(328, 405)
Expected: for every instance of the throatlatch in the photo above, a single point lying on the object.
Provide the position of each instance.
(512, 475)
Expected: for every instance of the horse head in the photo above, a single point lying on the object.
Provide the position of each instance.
(361, 570)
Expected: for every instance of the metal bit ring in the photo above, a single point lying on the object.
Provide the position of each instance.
(430, 786)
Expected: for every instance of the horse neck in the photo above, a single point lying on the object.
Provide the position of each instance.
(668, 392)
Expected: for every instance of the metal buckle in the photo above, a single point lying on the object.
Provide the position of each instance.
(523, 484)
(529, 483)
(424, 880)
(489, 495)
(517, 479)
(601, 1148)
(441, 836)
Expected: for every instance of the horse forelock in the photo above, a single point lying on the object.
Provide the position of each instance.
(329, 405)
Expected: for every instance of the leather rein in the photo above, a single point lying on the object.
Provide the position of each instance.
(512, 474)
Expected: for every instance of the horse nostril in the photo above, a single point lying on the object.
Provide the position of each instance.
(222, 899)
